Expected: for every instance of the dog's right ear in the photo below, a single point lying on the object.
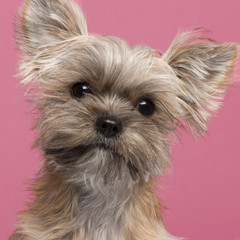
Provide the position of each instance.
(203, 71)
(46, 22)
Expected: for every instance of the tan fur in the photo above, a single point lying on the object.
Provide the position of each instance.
(146, 220)
(92, 187)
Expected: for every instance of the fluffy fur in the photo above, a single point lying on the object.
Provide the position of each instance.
(90, 187)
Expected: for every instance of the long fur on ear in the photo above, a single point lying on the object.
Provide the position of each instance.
(203, 70)
(43, 29)
(45, 22)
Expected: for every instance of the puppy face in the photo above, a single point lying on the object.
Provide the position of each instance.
(107, 107)
(108, 110)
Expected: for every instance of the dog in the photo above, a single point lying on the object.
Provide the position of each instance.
(106, 116)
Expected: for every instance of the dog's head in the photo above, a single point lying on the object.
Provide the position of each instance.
(105, 108)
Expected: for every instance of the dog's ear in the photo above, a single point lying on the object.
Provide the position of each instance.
(46, 22)
(202, 69)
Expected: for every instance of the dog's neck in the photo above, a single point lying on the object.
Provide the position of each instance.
(93, 211)
(104, 207)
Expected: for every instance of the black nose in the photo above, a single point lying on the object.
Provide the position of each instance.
(109, 126)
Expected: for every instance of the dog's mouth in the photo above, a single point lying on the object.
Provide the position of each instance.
(106, 147)
(70, 155)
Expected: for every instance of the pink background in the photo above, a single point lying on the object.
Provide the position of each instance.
(202, 193)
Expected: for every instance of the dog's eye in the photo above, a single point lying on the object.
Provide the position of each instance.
(79, 89)
(146, 107)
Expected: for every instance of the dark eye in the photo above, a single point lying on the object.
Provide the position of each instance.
(146, 107)
(79, 89)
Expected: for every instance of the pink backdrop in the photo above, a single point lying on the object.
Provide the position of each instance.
(202, 193)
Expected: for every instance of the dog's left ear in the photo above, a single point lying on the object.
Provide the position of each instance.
(202, 70)
(46, 22)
